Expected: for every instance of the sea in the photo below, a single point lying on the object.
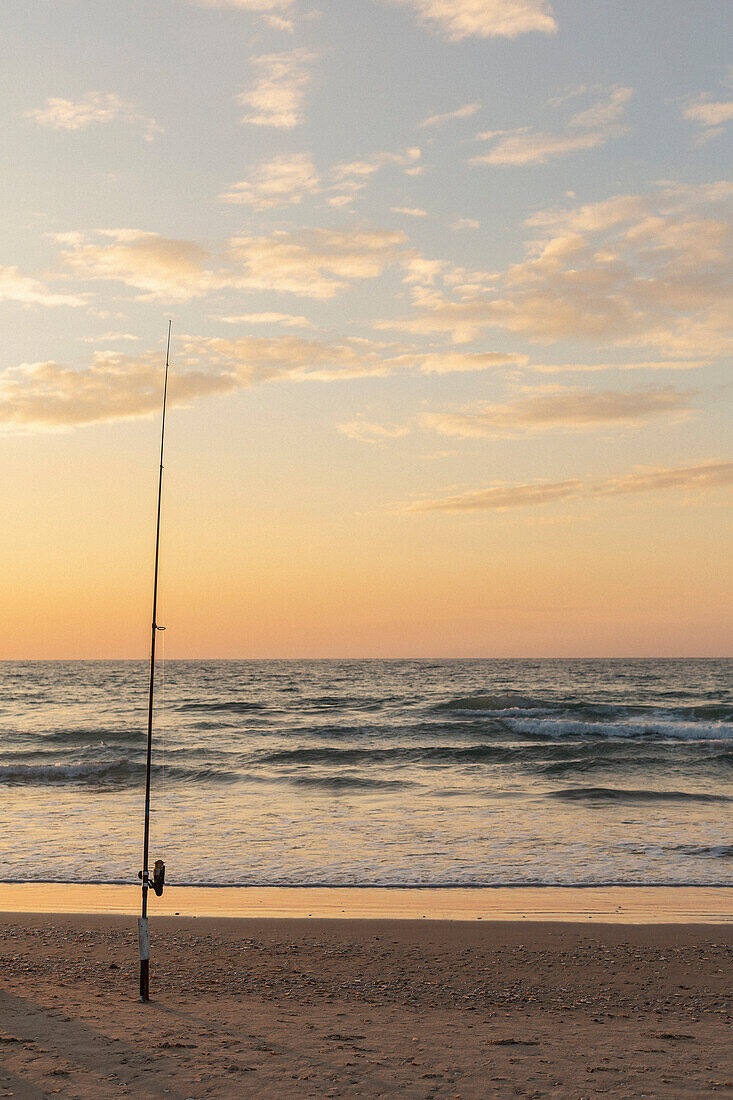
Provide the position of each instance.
(371, 772)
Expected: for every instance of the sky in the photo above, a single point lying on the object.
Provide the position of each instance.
(450, 291)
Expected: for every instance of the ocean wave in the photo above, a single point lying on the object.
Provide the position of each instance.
(577, 714)
(549, 756)
(614, 794)
(715, 851)
(648, 728)
(508, 701)
(94, 772)
(106, 773)
(347, 782)
(84, 736)
(398, 754)
(602, 762)
(232, 706)
(343, 702)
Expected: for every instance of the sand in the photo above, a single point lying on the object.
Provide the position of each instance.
(273, 1007)
(624, 904)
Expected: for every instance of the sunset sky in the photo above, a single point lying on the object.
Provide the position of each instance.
(450, 291)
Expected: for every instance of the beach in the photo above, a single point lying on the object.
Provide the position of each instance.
(333, 1006)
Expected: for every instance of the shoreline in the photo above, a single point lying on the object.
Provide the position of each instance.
(604, 904)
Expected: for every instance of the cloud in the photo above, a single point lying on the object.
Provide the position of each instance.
(592, 217)
(587, 129)
(310, 263)
(710, 116)
(349, 178)
(94, 109)
(466, 223)
(160, 266)
(563, 409)
(287, 320)
(110, 337)
(50, 396)
(641, 364)
(703, 478)
(278, 93)
(289, 177)
(459, 19)
(532, 147)
(313, 263)
(116, 386)
(465, 111)
(257, 6)
(278, 23)
(410, 211)
(452, 362)
(650, 271)
(708, 113)
(361, 169)
(283, 181)
(15, 287)
(367, 432)
(605, 112)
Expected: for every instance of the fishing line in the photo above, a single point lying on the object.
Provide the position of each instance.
(161, 722)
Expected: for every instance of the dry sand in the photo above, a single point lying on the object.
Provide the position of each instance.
(311, 1008)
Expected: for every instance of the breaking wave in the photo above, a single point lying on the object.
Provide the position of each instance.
(538, 718)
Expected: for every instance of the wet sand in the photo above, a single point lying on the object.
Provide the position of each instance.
(332, 1007)
(626, 904)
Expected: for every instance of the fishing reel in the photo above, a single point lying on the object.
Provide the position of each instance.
(158, 880)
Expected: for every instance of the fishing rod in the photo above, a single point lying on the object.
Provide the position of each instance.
(158, 878)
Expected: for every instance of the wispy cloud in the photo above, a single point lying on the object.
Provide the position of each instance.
(650, 271)
(623, 365)
(561, 409)
(48, 396)
(27, 291)
(310, 263)
(465, 111)
(349, 178)
(607, 111)
(277, 23)
(314, 263)
(366, 431)
(277, 96)
(459, 19)
(587, 129)
(522, 147)
(287, 320)
(455, 362)
(257, 6)
(288, 178)
(410, 211)
(466, 223)
(709, 114)
(161, 267)
(283, 181)
(369, 165)
(703, 478)
(94, 109)
(116, 386)
(110, 338)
